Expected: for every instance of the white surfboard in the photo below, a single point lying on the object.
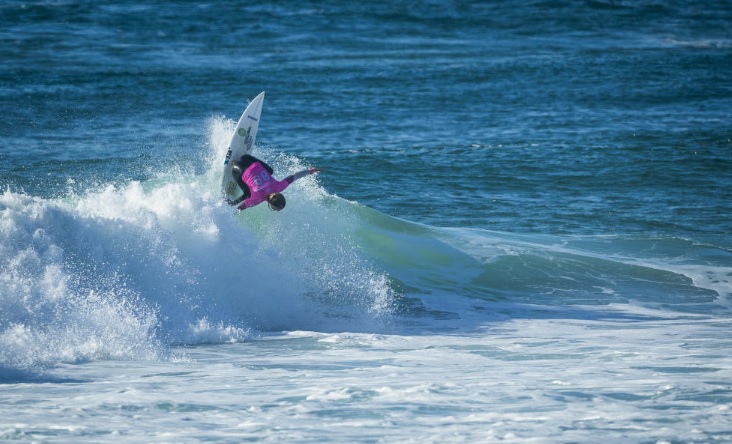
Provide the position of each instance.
(242, 141)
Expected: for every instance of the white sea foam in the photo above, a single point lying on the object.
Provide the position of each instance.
(523, 379)
(122, 271)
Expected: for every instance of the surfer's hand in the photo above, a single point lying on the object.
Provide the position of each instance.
(315, 170)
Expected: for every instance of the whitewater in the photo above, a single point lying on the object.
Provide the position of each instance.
(151, 311)
(115, 271)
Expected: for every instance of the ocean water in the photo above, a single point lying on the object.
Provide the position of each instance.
(523, 233)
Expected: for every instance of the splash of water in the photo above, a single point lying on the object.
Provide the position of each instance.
(123, 272)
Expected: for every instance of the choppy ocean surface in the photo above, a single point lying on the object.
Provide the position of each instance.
(523, 234)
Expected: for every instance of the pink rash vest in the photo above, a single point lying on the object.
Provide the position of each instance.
(261, 184)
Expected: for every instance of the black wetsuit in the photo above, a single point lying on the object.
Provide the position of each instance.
(238, 167)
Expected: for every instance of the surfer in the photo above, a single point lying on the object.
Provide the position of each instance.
(254, 177)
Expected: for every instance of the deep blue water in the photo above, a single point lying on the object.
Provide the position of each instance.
(567, 117)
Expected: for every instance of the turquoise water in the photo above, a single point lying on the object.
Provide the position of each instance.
(523, 233)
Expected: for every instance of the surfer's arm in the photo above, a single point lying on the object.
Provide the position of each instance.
(236, 172)
(301, 174)
(241, 198)
(236, 201)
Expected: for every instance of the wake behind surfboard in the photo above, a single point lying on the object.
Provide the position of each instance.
(242, 141)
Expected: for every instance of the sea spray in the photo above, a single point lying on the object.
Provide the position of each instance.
(57, 303)
(315, 240)
(124, 271)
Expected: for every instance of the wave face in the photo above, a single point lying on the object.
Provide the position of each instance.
(659, 272)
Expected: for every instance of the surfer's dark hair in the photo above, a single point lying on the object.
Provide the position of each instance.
(276, 201)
